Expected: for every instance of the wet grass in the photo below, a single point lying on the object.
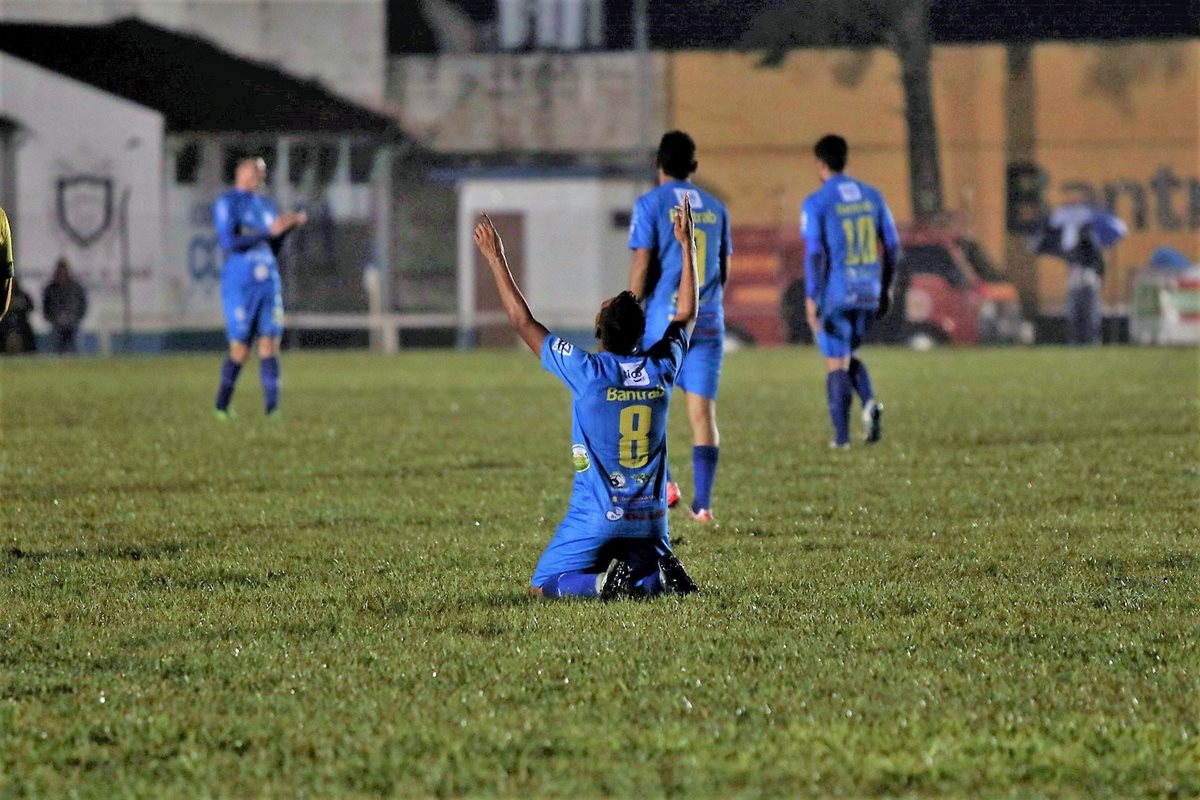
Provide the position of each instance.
(1000, 601)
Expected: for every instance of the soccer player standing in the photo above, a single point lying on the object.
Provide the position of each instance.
(250, 231)
(618, 512)
(654, 276)
(847, 278)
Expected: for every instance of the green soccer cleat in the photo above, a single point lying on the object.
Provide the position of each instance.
(224, 415)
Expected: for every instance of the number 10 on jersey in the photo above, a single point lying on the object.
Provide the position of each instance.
(862, 241)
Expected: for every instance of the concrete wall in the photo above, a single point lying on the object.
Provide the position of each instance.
(340, 42)
(83, 133)
(1122, 120)
(610, 104)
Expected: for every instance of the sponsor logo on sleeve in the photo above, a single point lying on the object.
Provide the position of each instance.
(579, 455)
(563, 348)
(634, 373)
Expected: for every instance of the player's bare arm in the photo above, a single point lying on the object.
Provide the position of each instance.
(639, 267)
(287, 221)
(488, 240)
(889, 258)
(688, 306)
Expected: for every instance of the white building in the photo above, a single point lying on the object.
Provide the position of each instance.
(565, 234)
(81, 179)
(169, 147)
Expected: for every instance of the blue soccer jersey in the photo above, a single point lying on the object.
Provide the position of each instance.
(844, 223)
(653, 228)
(250, 285)
(619, 448)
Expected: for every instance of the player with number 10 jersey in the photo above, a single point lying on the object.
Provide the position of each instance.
(851, 250)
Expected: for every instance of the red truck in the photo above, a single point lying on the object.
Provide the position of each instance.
(947, 291)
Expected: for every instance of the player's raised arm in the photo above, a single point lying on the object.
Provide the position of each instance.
(688, 306)
(487, 239)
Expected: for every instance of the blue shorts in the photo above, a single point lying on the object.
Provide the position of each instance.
(580, 545)
(701, 371)
(254, 309)
(843, 331)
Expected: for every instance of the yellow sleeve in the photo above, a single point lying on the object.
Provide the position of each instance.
(6, 254)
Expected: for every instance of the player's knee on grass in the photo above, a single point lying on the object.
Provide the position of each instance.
(238, 351)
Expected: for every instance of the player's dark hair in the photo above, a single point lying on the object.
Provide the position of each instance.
(677, 155)
(621, 324)
(833, 152)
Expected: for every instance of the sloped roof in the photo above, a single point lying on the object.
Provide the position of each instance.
(196, 85)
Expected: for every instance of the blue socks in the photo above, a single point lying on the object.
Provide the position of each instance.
(571, 584)
(229, 376)
(862, 381)
(704, 470)
(268, 371)
(839, 391)
(583, 584)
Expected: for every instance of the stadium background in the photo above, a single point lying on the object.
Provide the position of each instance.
(438, 100)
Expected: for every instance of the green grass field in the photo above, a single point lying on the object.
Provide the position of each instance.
(1001, 600)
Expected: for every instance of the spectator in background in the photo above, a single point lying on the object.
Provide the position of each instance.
(16, 334)
(1078, 233)
(64, 305)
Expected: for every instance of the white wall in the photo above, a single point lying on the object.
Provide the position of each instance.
(83, 131)
(343, 43)
(575, 256)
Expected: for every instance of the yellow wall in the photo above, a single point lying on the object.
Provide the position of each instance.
(1104, 113)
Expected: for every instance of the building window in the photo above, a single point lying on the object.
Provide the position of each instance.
(187, 163)
(362, 161)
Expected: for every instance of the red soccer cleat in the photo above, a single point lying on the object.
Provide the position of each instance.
(672, 494)
(703, 515)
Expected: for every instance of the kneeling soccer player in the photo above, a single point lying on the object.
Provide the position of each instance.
(613, 542)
